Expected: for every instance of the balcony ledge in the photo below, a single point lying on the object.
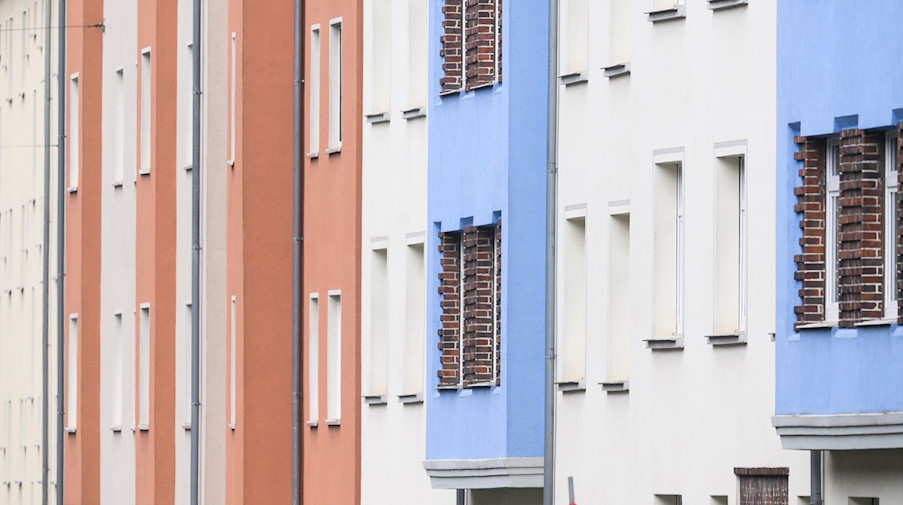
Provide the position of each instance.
(840, 431)
(485, 473)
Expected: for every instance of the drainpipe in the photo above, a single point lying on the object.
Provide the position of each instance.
(298, 256)
(195, 254)
(548, 471)
(61, 257)
(45, 288)
(815, 478)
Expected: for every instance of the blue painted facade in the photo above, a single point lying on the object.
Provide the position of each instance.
(487, 161)
(840, 66)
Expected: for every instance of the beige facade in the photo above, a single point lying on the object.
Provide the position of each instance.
(22, 99)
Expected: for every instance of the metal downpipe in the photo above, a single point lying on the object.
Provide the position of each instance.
(298, 256)
(194, 488)
(45, 288)
(61, 255)
(548, 492)
(815, 468)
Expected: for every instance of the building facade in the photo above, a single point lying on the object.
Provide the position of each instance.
(666, 269)
(840, 106)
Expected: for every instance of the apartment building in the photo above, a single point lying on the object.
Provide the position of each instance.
(393, 262)
(485, 249)
(840, 107)
(23, 50)
(666, 266)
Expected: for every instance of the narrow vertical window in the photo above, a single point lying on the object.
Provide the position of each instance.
(24, 40)
(379, 322)
(620, 32)
(145, 147)
(379, 72)
(118, 361)
(187, 104)
(314, 90)
(186, 366)
(313, 360)
(233, 82)
(619, 299)
(891, 207)
(418, 34)
(335, 84)
(9, 52)
(233, 364)
(573, 352)
(575, 44)
(144, 350)
(334, 358)
(415, 320)
(730, 247)
(74, 99)
(118, 126)
(832, 231)
(669, 252)
(72, 375)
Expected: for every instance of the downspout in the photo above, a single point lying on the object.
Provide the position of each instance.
(298, 257)
(195, 255)
(548, 471)
(61, 254)
(815, 483)
(45, 288)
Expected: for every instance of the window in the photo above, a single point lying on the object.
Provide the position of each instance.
(72, 375)
(144, 350)
(669, 252)
(118, 127)
(573, 349)
(730, 246)
(471, 286)
(757, 483)
(24, 41)
(186, 366)
(118, 362)
(334, 358)
(379, 61)
(379, 322)
(620, 32)
(574, 35)
(73, 132)
(465, 46)
(418, 35)
(619, 298)
(233, 361)
(145, 112)
(9, 53)
(891, 206)
(313, 360)
(335, 84)
(186, 104)
(415, 320)
(832, 231)
(863, 501)
(233, 83)
(668, 499)
(314, 90)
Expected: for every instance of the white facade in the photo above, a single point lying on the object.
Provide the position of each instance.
(393, 310)
(666, 252)
(22, 100)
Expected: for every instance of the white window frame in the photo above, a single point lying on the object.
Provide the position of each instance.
(233, 358)
(336, 78)
(145, 336)
(146, 111)
(832, 210)
(74, 136)
(890, 226)
(72, 376)
(233, 82)
(313, 360)
(118, 366)
(119, 126)
(681, 245)
(334, 358)
(315, 77)
(744, 246)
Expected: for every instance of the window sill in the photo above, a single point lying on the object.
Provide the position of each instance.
(817, 326)
(573, 78)
(312, 424)
(676, 12)
(410, 399)
(450, 92)
(145, 171)
(333, 422)
(186, 426)
(232, 426)
(313, 155)
(738, 338)
(615, 386)
(374, 400)
(70, 431)
(143, 427)
(413, 113)
(717, 5)
(376, 118)
(619, 70)
(117, 184)
(230, 163)
(72, 189)
(449, 388)
(665, 343)
(877, 322)
(187, 167)
(571, 386)
(116, 429)
(334, 150)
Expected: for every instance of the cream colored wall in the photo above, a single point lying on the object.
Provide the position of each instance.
(21, 253)
(394, 215)
(691, 415)
(863, 474)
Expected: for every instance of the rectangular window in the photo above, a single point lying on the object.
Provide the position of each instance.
(573, 352)
(620, 32)
(335, 84)
(669, 251)
(72, 375)
(730, 246)
(186, 104)
(118, 361)
(73, 131)
(233, 82)
(619, 298)
(415, 320)
(418, 35)
(379, 61)
(186, 366)
(334, 358)
(668, 499)
(891, 206)
(313, 360)
(574, 43)
(314, 90)
(24, 41)
(145, 147)
(144, 350)
(9, 53)
(118, 127)
(233, 363)
(379, 322)
(832, 231)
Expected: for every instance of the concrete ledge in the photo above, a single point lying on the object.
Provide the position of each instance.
(484, 473)
(841, 431)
